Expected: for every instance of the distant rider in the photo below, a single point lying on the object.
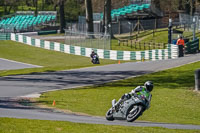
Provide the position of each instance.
(140, 90)
(92, 55)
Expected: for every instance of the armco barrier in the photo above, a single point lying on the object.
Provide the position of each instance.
(160, 54)
(192, 47)
(47, 32)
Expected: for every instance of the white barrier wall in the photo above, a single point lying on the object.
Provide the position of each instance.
(170, 53)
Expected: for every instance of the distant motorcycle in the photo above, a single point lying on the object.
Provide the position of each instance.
(95, 59)
(130, 109)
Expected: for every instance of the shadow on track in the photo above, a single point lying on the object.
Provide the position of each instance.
(65, 78)
(11, 103)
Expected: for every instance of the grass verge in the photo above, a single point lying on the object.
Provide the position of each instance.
(50, 60)
(147, 38)
(173, 100)
(9, 125)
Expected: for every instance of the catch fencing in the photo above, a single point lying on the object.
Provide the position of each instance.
(85, 39)
(120, 26)
(134, 45)
(189, 22)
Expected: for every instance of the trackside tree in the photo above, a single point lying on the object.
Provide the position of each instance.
(107, 20)
(89, 16)
(62, 15)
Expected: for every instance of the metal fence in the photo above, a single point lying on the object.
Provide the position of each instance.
(186, 26)
(122, 26)
(127, 26)
(82, 27)
(134, 45)
(7, 28)
(188, 22)
(90, 40)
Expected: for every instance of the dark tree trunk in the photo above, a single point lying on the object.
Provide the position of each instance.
(192, 7)
(180, 6)
(62, 15)
(187, 8)
(5, 5)
(48, 2)
(36, 7)
(89, 16)
(55, 4)
(28, 3)
(103, 23)
(108, 19)
(10, 8)
(54, 7)
(5, 10)
(43, 3)
(157, 4)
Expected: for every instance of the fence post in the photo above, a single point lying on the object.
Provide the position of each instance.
(170, 31)
(197, 80)
(135, 45)
(140, 46)
(131, 44)
(136, 37)
(119, 42)
(194, 29)
(149, 45)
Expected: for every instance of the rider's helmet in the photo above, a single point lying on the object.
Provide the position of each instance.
(93, 51)
(149, 85)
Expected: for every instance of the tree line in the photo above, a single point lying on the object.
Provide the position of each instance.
(69, 10)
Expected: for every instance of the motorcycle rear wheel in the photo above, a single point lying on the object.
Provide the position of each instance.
(109, 115)
(134, 112)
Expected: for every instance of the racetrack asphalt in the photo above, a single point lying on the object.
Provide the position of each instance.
(6, 64)
(22, 85)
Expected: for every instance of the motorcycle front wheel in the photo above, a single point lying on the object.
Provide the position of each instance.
(109, 115)
(134, 112)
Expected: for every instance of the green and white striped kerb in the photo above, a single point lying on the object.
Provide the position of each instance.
(159, 54)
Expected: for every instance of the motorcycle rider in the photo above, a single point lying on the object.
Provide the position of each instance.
(145, 90)
(92, 55)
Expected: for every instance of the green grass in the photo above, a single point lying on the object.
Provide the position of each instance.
(135, 35)
(160, 37)
(137, 46)
(172, 102)
(50, 60)
(9, 125)
(155, 42)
